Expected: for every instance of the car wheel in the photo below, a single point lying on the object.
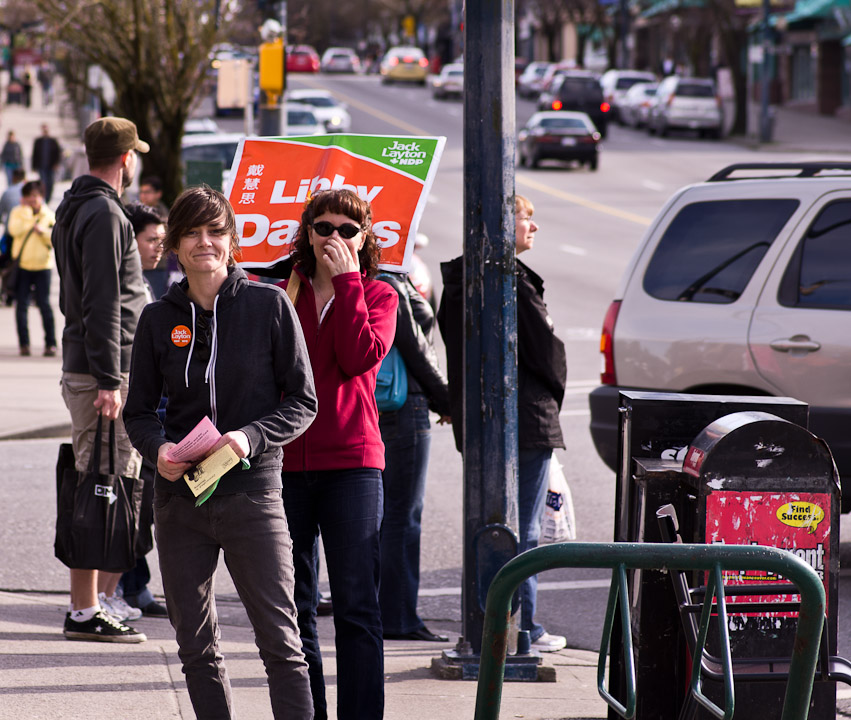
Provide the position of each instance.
(662, 129)
(534, 161)
(592, 163)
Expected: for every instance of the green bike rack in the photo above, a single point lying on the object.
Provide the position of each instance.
(647, 556)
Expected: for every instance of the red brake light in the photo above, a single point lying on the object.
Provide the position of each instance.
(557, 105)
(605, 107)
(408, 59)
(607, 350)
(423, 62)
(394, 61)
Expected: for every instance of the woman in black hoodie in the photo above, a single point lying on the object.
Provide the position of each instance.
(222, 347)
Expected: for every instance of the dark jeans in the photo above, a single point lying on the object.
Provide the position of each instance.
(407, 439)
(532, 494)
(251, 528)
(38, 280)
(47, 175)
(345, 506)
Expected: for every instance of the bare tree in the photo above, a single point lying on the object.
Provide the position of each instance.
(155, 52)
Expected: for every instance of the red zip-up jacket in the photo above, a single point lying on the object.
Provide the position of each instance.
(345, 352)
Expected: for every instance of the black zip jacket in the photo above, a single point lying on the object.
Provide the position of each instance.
(101, 291)
(245, 366)
(414, 331)
(541, 358)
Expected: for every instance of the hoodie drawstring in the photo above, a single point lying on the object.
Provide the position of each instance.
(210, 373)
(191, 346)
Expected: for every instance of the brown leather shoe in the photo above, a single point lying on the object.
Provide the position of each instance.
(50, 351)
(25, 350)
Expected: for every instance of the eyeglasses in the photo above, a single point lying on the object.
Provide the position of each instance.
(326, 229)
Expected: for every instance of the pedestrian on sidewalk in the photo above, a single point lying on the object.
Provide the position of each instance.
(151, 195)
(192, 345)
(149, 227)
(47, 154)
(10, 199)
(541, 378)
(31, 225)
(332, 474)
(12, 156)
(101, 294)
(407, 440)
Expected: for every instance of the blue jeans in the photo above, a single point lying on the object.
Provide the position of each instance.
(532, 494)
(39, 280)
(407, 438)
(346, 507)
(251, 528)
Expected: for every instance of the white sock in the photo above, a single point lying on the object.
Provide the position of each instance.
(84, 614)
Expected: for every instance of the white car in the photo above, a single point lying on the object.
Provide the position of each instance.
(635, 107)
(686, 104)
(449, 83)
(200, 125)
(339, 60)
(741, 286)
(616, 83)
(529, 82)
(328, 110)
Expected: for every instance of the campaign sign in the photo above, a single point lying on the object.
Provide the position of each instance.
(795, 521)
(272, 178)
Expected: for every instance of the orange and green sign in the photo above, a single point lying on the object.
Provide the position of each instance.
(272, 178)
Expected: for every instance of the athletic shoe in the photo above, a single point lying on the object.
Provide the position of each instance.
(118, 608)
(549, 643)
(101, 627)
(155, 609)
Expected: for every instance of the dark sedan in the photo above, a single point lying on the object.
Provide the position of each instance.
(559, 136)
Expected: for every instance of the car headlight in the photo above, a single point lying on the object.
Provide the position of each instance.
(336, 120)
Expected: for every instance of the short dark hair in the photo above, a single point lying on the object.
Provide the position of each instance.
(143, 215)
(153, 181)
(18, 175)
(196, 206)
(341, 202)
(33, 187)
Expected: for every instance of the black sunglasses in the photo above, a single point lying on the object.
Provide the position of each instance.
(326, 229)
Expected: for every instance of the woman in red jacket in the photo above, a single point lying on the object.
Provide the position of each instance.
(332, 473)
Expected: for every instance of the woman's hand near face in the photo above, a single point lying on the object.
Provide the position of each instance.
(339, 258)
(171, 471)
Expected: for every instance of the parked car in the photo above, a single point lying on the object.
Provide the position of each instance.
(405, 64)
(559, 136)
(529, 82)
(328, 110)
(449, 83)
(742, 286)
(616, 83)
(580, 92)
(302, 58)
(302, 120)
(339, 60)
(686, 104)
(636, 104)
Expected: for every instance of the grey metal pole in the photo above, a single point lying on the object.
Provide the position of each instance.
(765, 117)
(490, 354)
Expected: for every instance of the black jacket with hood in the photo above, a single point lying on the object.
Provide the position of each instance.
(245, 365)
(413, 339)
(101, 291)
(541, 358)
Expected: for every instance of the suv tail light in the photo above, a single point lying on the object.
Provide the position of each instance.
(607, 342)
(605, 107)
(557, 105)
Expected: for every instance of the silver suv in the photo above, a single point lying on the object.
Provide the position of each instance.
(742, 285)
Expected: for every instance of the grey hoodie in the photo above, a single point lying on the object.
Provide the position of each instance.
(101, 292)
(245, 365)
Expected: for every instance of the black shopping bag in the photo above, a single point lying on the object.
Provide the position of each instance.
(97, 515)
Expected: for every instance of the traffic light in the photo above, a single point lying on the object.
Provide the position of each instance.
(409, 24)
(272, 69)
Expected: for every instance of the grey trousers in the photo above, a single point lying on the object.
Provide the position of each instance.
(251, 529)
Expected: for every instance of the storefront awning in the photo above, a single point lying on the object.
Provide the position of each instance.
(814, 9)
(664, 6)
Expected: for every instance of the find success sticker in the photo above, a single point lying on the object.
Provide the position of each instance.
(181, 335)
(801, 515)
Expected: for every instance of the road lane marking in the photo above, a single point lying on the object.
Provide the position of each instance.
(559, 585)
(652, 185)
(523, 179)
(573, 250)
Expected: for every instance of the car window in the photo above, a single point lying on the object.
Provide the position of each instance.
(317, 101)
(580, 86)
(220, 152)
(300, 117)
(819, 275)
(711, 249)
(625, 83)
(552, 123)
(695, 90)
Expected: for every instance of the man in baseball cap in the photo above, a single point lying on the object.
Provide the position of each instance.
(109, 137)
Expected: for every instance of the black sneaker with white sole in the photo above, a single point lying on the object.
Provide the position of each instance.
(101, 627)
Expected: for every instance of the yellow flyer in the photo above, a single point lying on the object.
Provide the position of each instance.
(206, 473)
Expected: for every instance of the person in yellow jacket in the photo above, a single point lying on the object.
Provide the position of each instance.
(30, 225)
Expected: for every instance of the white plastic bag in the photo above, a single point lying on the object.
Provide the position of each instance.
(558, 523)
